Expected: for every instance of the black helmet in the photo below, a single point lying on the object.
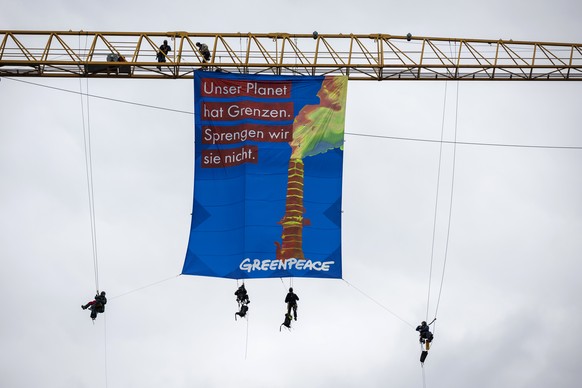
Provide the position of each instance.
(198, 44)
(290, 289)
(103, 293)
(165, 42)
(423, 323)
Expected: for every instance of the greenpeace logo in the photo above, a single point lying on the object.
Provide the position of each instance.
(250, 265)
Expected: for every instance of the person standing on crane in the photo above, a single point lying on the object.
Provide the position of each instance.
(163, 52)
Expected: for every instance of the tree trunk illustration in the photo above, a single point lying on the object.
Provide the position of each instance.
(317, 129)
(293, 221)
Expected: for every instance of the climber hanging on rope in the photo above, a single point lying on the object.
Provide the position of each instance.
(97, 305)
(291, 300)
(426, 338)
(286, 322)
(242, 312)
(425, 334)
(242, 298)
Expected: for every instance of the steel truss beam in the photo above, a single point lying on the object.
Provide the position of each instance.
(378, 57)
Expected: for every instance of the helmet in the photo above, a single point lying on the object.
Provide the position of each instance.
(423, 323)
(198, 44)
(103, 293)
(290, 289)
(165, 42)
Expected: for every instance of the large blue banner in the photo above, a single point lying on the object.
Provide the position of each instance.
(268, 176)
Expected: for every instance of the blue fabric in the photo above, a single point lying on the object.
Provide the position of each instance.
(240, 194)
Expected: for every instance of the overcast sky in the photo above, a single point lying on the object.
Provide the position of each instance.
(510, 301)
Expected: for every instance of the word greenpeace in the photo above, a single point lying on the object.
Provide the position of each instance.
(249, 265)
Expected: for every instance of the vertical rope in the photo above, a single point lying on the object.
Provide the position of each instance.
(89, 158)
(450, 203)
(436, 203)
(247, 339)
(283, 283)
(89, 174)
(105, 347)
(240, 49)
(91, 196)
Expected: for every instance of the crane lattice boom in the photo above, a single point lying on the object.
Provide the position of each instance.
(361, 57)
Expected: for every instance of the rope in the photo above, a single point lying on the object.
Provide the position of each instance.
(449, 216)
(436, 203)
(467, 142)
(247, 339)
(378, 303)
(247, 319)
(240, 48)
(89, 173)
(144, 287)
(101, 97)
(450, 206)
(448, 224)
(283, 283)
(105, 346)
(422, 369)
(540, 146)
(91, 197)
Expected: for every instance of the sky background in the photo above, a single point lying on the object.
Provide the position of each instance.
(510, 302)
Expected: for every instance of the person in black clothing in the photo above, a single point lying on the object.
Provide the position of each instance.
(203, 48)
(425, 334)
(291, 300)
(163, 53)
(286, 322)
(242, 298)
(243, 311)
(97, 305)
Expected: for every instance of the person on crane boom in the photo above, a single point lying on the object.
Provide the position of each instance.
(203, 48)
(164, 51)
(97, 305)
